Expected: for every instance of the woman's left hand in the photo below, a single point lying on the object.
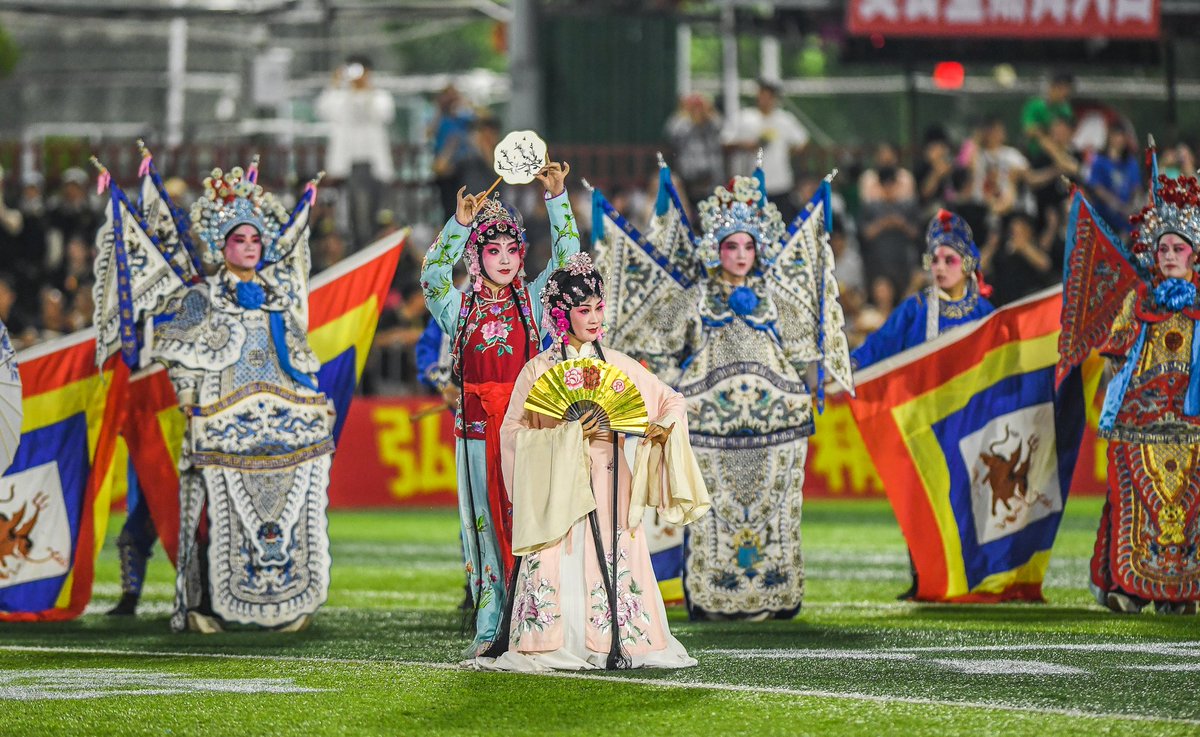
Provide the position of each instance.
(658, 434)
(553, 177)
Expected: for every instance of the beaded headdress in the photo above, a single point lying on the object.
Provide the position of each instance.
(739, 207)
(1174, 208)
(491, 221)
(952, 231)
(231, 199)
(569, 285)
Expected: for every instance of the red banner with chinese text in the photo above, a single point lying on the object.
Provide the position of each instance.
(390, 456)
(1065, 19)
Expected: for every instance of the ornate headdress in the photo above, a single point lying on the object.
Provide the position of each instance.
(231, 199)
(491, 221)
(950, 230)
(568, 286)
(1174, 208)
(740, 207)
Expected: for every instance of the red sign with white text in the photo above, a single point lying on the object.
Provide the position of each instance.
(1065, 19)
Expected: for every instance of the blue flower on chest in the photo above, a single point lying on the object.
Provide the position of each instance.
(743, 301)
(1175, 294)
(250, 295)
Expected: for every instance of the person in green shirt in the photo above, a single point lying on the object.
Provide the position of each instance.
(1040, 111)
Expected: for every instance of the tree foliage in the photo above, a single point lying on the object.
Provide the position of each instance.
(9, 53)
(474, 45)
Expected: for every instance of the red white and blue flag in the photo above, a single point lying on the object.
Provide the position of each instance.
(976, 448)
(55, 497)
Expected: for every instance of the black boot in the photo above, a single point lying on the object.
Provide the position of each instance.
(126, 607)
(133, 575)
(911, 593)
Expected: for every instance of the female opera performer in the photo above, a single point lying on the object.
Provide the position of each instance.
(561, 477)
(493, 328)
(737, 320)
(958, 294)
(1150, 527)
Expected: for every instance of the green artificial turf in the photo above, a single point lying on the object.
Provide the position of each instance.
(381, 657)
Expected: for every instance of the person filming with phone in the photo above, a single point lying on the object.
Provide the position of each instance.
(359, 156)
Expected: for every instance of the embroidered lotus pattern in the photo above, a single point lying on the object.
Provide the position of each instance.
(632, 618)
(535, 601)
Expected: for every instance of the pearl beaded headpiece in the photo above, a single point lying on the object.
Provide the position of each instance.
(231, 199)
(741, 207)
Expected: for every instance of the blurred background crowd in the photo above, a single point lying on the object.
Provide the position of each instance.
(411, 112)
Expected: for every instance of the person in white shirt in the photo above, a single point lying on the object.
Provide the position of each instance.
(997, 177)
(359, 152)
(780, 136)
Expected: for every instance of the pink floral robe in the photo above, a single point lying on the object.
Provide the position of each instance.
(561, 613)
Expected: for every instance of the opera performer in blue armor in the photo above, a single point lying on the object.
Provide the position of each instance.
(254, 466)
(958, 294)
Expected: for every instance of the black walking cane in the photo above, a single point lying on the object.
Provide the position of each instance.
(617, 659)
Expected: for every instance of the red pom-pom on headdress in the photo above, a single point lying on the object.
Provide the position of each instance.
(985, 289)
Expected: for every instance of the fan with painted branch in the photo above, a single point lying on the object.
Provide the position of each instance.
(571, 389)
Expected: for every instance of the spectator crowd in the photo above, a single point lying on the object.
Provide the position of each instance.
(1011, 186)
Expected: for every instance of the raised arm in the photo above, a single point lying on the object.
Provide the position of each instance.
(564, 232)
(437, 270)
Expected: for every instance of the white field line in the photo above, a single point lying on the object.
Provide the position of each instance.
(651, 682)
(160, 608)
(1181, 649)
(111, 592)
(1008, 667)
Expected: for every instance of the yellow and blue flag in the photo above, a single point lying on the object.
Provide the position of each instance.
(981, 447)
(55, 497)
(344, 309)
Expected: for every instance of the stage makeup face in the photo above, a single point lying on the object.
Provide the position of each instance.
(738, 254)
(501, 260)
(587, 319)
(1175, 256)
(947, 268)
(243, 247)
